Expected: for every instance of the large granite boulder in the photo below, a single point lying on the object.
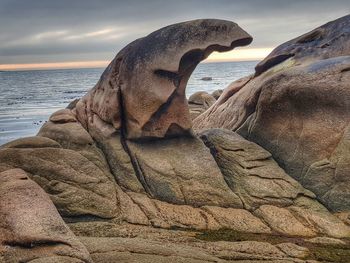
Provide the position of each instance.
(31, 229)
(152, 73)
(199, 102)
(298, 108)
(75, 184)
(251, 172)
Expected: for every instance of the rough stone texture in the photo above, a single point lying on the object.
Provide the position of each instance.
(217, 93)
(250, 170)
(63, 116)
(30, 225)
(287, 108)
(236, 219)
(152, 72)
(282, 221)
(232, 107)
(199, 102)
(145, 250)
(32, 142)
(294, 250)
(325, 223)
(75, 185)
(181, 171)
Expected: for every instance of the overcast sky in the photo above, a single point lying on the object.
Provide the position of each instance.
(34, 31)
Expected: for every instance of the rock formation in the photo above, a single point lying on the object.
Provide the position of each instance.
(30, 226)
(130, 178)
(152, 72)
(297, 106)
(199, 102)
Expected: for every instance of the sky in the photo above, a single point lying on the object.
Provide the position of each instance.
(84, 33)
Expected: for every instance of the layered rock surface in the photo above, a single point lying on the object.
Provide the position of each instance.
(135, 184)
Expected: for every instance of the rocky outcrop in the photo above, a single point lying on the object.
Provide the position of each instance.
(287, 108)
(199, 102)
(30, 226)
(152, 72)
(76, 185)
(135, 184)
(250, 171)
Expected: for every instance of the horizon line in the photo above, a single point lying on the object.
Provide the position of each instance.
(237, 55)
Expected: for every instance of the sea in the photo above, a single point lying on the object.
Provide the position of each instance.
(28, 98)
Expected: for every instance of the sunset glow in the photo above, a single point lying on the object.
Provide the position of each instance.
(246, 54)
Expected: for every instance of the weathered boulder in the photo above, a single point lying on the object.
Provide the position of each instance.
(199, 102)
(287, 108)
(76, 185)
(181, 171)
(327, 41)
(217, 93)
(152, 72)
(31, 230)
(232, 107)
(251, 172)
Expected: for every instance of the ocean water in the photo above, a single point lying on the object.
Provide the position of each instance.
(28, 98)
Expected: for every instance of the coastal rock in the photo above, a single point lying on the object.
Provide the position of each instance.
(30, 226)
(76, 185)
(232, 107)
(217, 93)
(283, 221)
(63, 116)
(251, 172)
(264, 188)
(32, 142)
(135, 184)
(287, 109)
(181, 171)
(199, 102)
(164, 61)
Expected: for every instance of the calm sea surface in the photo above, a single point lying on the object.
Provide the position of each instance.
(27, 98)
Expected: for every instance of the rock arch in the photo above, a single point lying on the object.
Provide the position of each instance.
(142, 91)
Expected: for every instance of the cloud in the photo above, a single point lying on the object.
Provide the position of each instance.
(34, 31)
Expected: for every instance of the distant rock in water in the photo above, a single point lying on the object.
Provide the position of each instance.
(207, 78)
(126, 171)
